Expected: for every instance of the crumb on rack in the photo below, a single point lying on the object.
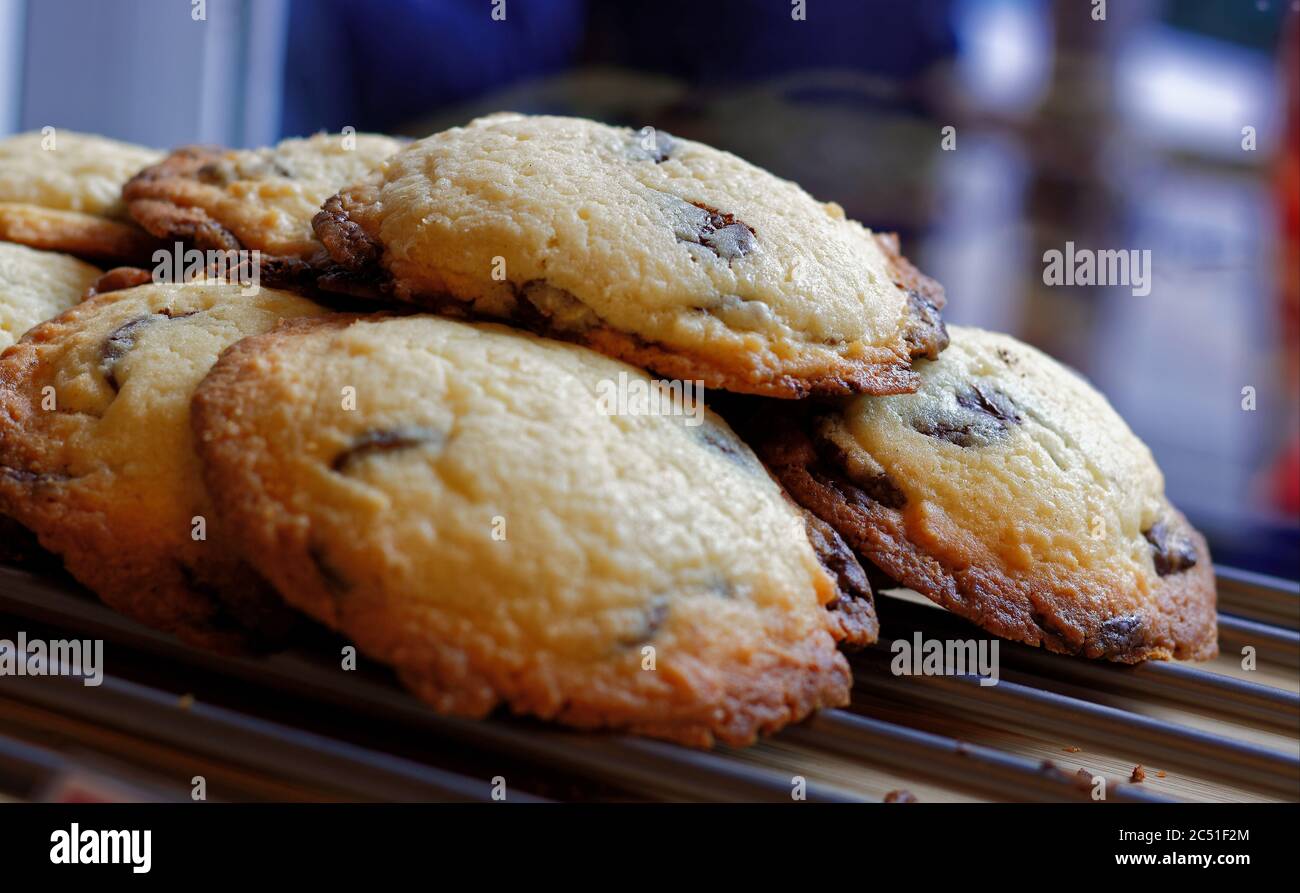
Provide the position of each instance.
(902, 795)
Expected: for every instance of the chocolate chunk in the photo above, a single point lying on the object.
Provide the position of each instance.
(656, 614)
(926, 335)
(118, 344)
(714, 438)
(121, 341)
(858, 489)
(1121, 635)
(334, 579)
(989, 414)
(839, 561)
(383, 440)
(721, 233)
(992, 402)
(1171, 551)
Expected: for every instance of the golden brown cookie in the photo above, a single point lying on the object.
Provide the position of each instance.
(1007, 490)
(454, 499)
(96, 457)
(254, 199)
(36, 285)
(664, 252)
(60, 191)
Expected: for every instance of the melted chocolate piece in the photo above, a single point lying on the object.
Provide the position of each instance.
(1171, 551)
(383, 440)
(1121, 635)
(857, 489)
(722, 233)
(653, 620)
(121, 341)
(992, 402)
(730, 447)
(990, 414)
(334, 579)
(926, 334)
(118, 344)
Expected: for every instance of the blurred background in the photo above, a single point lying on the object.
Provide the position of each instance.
(985, 131)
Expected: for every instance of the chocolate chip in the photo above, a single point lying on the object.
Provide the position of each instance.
(989, 414)
(992, 402)
(121, 341)
(652, 620)
(118, 344)
(839, 561)
(333, 578)
(857, 488)
(383, 440)
(1120, 635)
(926, 335)
(721, 233)
(715, 438)
(1006, 357)
(1171, 551)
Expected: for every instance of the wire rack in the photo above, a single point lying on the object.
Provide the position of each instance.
(295, 726)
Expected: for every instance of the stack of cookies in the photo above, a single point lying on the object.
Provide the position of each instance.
(405, 432)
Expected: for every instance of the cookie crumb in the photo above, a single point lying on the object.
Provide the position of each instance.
(185, 701)
(1139, 774)
(1160, 773)
(902, 795)
(1071, 749)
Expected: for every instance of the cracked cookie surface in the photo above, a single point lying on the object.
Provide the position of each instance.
(62, 192)
(667, 253)
(96, 456)
(480, 523)
(1010, 492)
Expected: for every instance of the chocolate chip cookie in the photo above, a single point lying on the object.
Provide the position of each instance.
(36, 285)
(61, 191)
(1009, 491)
(96, 457)
(660, 251)
(455, 498)
(255, 199)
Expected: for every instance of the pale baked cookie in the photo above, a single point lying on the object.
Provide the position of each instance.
(263, 199)
(61, 191)
(37, 285)
(96, 457)
(479, 523)
(664, 252)
(1010, 492)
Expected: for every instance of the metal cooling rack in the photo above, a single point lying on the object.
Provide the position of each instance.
(295, 726)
